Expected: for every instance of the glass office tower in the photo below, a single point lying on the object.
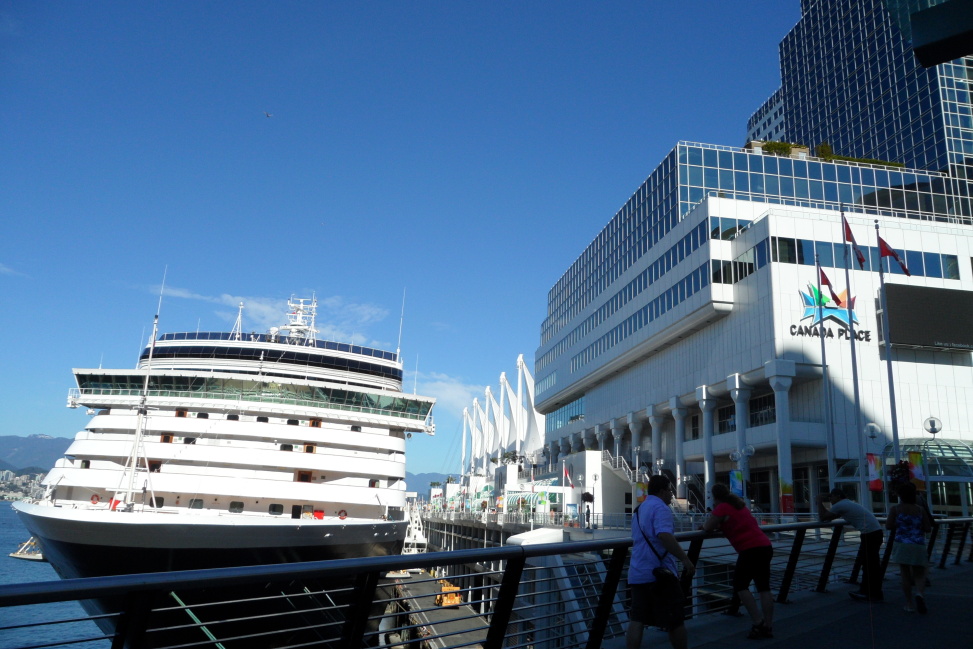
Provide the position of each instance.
(849, 78)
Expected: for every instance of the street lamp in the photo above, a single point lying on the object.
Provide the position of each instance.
(659, 462)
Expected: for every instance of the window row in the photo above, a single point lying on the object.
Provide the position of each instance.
(836, 255)
(662, 304)
(668, 260)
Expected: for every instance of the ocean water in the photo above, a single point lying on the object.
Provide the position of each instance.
(18, 571)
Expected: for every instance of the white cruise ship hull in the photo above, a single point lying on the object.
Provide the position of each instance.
(90, 543)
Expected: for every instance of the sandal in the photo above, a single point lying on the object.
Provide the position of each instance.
(760, 631)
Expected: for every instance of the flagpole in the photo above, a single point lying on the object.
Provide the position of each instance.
(862, 485)
(825, 381)
(888, 352)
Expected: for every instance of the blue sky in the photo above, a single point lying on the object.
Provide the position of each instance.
(462, 153)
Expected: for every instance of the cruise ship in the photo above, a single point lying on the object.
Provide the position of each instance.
(230, 449)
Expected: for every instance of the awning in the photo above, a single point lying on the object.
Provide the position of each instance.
(530, 498)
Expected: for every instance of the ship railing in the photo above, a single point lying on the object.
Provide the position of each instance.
(550, 596)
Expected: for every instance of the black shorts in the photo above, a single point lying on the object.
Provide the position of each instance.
(753, 564)
(652, 607)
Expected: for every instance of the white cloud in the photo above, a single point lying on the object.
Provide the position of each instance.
(451, 394)
(7, 270)
(337, 319)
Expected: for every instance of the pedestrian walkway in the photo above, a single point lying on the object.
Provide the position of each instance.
(833, 620)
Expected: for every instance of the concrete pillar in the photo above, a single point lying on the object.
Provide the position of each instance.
(603, 437)
(785, 469)
(707, 404)
(635, 425)
(577, 442)
(618, 435)
(655, 420)
(741, 416)
(679, 414)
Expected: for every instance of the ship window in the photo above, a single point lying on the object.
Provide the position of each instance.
(233, 417)
(295, 511)
(373, 483)
(307, 511)
(85, 464)
(155, 467)
(262, 420)
(276, 509)
(309, 448)
(287, 447)
(236, 506)
(188, 440)
(303, 476)
(356, 429)
(167, 439)
(180, 412)
(202, 415)
(315, 423)
(292, 422)
(157, 502)
(195, 503)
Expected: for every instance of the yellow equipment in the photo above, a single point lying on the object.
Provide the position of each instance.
(449, 594)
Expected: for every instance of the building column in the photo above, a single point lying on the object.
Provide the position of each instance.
(566, 444)
(618, 435)
(635, 425)
(785, 469)
(707, 404)
(603, 437)
(741, 417)
(679, 414)
(655, 420)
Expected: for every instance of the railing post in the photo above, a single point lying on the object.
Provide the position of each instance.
(829, 559)
(608, 589)
(859, 558)
(357, 620)
(130, 631)
(886, 555)
(946, 545)
(962, 543)
(505, 602)
(932, 539)
(785, 583)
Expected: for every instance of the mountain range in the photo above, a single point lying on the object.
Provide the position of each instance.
(38, 453)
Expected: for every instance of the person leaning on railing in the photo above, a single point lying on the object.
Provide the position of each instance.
(871, 537)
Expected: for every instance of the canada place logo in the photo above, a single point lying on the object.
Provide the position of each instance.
(820, 308)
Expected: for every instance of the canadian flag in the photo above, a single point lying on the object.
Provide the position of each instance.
(567, 476)
(886, 251)
(827, 282)
(850, 238)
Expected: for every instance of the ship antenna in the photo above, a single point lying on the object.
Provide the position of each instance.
(398, 347)
(143, 398)
(237, 332)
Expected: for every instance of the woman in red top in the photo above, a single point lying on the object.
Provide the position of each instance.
(754, 551)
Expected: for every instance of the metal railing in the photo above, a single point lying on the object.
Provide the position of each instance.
(552, 596)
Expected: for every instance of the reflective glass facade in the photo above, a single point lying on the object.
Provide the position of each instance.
(849, 78)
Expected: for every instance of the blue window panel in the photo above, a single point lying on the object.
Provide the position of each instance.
(950, 266)
(787, 187)
(728, 227)
(844, 173)
(770, 164)
(714, 227)
(696, 176)
(726, 179)
(786, 250)
(696, 194)
(825, 252)
(805, 252)
(829, 172)
(817, 190)
(914, 260)
(726, 159)
(741, 181)
(933, 264)
(800, 169)
(786, 167)
(773, 185)
(762, 250)
(801, 189)
(894, 267)
(756, 163)
(694, 155)
(757, 183)
(709, 158)
(711, 178)
(814, 170)
(831, 192)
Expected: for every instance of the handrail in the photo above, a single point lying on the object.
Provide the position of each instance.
(586, 575)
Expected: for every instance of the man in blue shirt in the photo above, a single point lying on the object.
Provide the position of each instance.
(652, 524)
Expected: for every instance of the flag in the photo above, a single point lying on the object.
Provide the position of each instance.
(850, 238)
(885, 250)
(874, 472)
(567, 476)
(827, 282)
